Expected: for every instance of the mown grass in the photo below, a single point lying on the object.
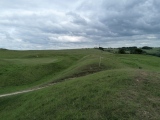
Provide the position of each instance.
(123, 87)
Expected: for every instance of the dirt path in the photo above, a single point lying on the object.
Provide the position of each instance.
(25, 91)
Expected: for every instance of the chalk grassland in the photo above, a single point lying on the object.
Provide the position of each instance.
(23, 69)
(120, 87)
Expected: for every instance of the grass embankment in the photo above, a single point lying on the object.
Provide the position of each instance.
(23, 69)
(126, 87)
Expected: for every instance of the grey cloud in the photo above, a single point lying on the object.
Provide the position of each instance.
(77, 19)
(49, 24)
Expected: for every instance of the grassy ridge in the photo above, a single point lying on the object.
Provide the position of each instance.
(23, 69)
(122, 87)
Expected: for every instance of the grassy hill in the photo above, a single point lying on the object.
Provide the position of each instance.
(23, 69)
(121, 86)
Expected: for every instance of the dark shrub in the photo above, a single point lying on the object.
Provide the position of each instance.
(101, 48)
(121, 51)
(136, 51)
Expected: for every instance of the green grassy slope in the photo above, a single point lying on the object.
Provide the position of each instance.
(123, 87)
(23, 69)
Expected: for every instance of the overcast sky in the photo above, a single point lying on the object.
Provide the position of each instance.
(64, 24)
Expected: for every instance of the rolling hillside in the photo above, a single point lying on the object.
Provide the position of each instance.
(90, 85)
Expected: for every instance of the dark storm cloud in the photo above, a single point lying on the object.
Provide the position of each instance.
(51, 24)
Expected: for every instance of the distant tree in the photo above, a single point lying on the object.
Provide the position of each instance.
(136, 51)
(146, 47)
(101, 48)
(3, 49)
(121, 51)
(129, 48)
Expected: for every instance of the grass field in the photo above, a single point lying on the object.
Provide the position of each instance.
(121, 86)
(154, 51)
